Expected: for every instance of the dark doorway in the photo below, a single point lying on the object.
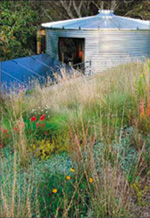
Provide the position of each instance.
(71, 50)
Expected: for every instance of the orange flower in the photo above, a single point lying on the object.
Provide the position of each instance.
(68, 177)
(90, 180)
(54, 190)
(72, 170)
(148, 109)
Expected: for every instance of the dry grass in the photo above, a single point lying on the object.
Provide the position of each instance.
(97, 108)
(84, 91)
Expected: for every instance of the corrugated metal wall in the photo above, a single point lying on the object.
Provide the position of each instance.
(105, 48)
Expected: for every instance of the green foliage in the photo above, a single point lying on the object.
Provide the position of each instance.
(140, 86)
(5, 137)
(140, 193)
(19, 22)
(72, 198)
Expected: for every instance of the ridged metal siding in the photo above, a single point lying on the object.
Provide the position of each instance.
(105, 48)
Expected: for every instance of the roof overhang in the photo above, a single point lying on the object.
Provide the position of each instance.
(105, 20)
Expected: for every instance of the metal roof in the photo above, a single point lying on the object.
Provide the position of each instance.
(19, 72)
(106, 19)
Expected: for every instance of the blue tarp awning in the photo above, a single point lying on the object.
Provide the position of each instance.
(22, 70)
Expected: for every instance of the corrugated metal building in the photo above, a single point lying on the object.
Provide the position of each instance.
(104, 40)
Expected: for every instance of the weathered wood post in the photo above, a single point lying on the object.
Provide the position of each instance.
(40, 33)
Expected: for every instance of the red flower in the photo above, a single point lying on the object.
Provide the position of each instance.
(1, 145)
(42, 117)
(46, 133)
(148, 109)
(16, 129)
(37, 125)
(33, 119)
(42, 125)
(4, 130)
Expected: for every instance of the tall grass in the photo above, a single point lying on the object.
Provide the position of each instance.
(102, 122)
(16, 190)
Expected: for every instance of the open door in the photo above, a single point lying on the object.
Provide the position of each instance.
(71, 50)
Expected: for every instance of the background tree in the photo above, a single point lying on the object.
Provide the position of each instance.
(69, 9)
(21, 19)
(19, 23)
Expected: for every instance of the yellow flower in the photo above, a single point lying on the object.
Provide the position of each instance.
(90, 180)
(141, 76)
(72, 170)
(68, 177)
(54, 190)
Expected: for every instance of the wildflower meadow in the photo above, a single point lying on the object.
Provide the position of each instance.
(80, 148)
